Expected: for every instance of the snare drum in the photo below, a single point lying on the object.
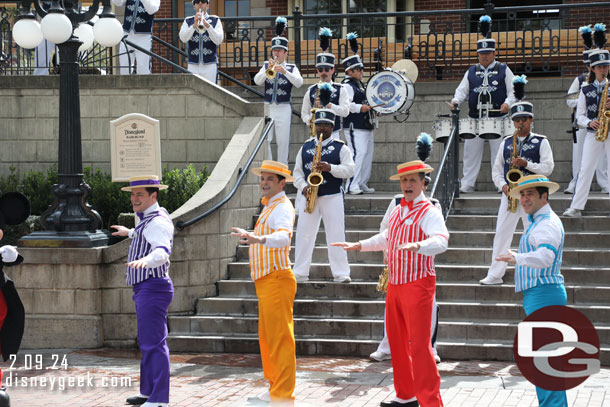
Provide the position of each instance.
(491, 128)
(392, 90)
(468, 128)
(442, 130)
(509, 127)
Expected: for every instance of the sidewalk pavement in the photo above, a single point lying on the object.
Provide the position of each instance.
(106, 377)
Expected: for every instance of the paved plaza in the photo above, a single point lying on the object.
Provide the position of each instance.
(106, 377)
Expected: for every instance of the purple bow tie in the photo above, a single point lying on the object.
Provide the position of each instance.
(140, 215)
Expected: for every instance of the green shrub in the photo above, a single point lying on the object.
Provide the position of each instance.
(106, 196)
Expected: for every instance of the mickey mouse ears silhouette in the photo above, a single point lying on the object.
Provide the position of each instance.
(14, 209)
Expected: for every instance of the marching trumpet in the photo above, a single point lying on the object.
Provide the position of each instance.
(270, 72)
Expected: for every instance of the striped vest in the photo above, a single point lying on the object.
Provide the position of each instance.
(141, 248)
(528, 277)
(263, 259)
(405, 266)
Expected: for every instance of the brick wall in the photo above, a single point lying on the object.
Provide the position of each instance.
(278, 7)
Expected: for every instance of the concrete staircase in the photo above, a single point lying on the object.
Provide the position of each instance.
(347, 319)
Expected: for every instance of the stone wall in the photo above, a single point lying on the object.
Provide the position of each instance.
(78, 297)
(196, 118)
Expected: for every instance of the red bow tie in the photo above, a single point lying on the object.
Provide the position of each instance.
(408, 204)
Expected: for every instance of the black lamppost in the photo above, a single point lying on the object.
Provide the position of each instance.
(69, 221)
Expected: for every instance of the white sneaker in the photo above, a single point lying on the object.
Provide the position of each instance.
(301, 279)
(568, 191)
(343, 279)
(355, 192)
(466, 190)
(572, 213)
(380, 356)
(367, 190)
(149, 404)
(264, 396)
(437, 358)
(490, 280)
(604, 190)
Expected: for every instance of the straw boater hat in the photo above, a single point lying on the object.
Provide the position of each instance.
(273, 167)
(533, 181)
(410, 168)
(146, 181)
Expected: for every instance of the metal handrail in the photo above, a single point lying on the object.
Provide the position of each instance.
(446, 184)
(242, 173)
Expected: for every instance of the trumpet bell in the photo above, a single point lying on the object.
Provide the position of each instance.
(270, 74)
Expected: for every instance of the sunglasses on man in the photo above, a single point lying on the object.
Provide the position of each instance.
(520, 119)
(200, 1)
(324, 69)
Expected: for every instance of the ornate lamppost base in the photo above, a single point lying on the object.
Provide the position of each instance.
(65, 240)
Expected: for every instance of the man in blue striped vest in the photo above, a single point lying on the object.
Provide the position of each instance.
(538, 262)
(139, 17)
(153, 291)
(203, 34)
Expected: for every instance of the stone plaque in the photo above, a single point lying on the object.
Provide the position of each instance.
(135, 143)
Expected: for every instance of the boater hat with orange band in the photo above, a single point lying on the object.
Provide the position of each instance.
(410, 168)
(273, 167)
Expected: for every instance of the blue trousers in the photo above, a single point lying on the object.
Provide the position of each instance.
(534, 298)
(152, 298)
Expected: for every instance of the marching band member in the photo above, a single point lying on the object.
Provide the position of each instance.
(587, 112)
(139, 17)
(339, 102)
(579, 133)
(538, 262)
(416, 233)
(274, 281)
(423, 147)
(533, 156)
(278, 91)
(336, 164)
(358, 126)
(501, 91)
(148, 272)
(203, 34)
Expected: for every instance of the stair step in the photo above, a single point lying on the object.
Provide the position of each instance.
(488, 223)
(444, 273)
(455, 255)
(444, 291)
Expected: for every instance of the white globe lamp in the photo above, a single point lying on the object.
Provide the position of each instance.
(27, 33)
(56, 27)
(107, 31)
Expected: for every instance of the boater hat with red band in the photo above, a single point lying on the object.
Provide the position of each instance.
(410, 168)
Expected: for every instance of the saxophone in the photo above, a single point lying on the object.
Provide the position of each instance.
(316, 106)
(603, 116)
(513, 175)
(314, 179)
(382, 285)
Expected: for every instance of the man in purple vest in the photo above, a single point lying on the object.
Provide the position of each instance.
(153, 291)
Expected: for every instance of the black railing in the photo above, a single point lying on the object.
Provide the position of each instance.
(536, 40)
(242, 173)
(446, 185)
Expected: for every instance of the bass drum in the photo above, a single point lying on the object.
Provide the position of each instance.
(391, 90)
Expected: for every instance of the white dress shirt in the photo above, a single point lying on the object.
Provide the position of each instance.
(216, 32)
(158, 233)
(581, 109)
(343, 170)
(294, 77)
(544, 167)
(546, 233)
(432, 224)
(342, 109)
(463, 90)
(575, 89)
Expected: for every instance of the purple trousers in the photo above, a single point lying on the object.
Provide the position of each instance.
(152, 298)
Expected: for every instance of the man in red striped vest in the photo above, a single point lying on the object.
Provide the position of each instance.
(416, 233)
(275, 284)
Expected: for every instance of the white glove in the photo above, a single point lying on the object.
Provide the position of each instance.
(9, 253)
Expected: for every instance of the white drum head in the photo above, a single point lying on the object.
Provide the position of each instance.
(391, 90)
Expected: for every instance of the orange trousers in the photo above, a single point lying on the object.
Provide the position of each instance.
(275, 294)
(408, 315)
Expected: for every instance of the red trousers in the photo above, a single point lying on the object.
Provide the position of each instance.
(408, 315)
